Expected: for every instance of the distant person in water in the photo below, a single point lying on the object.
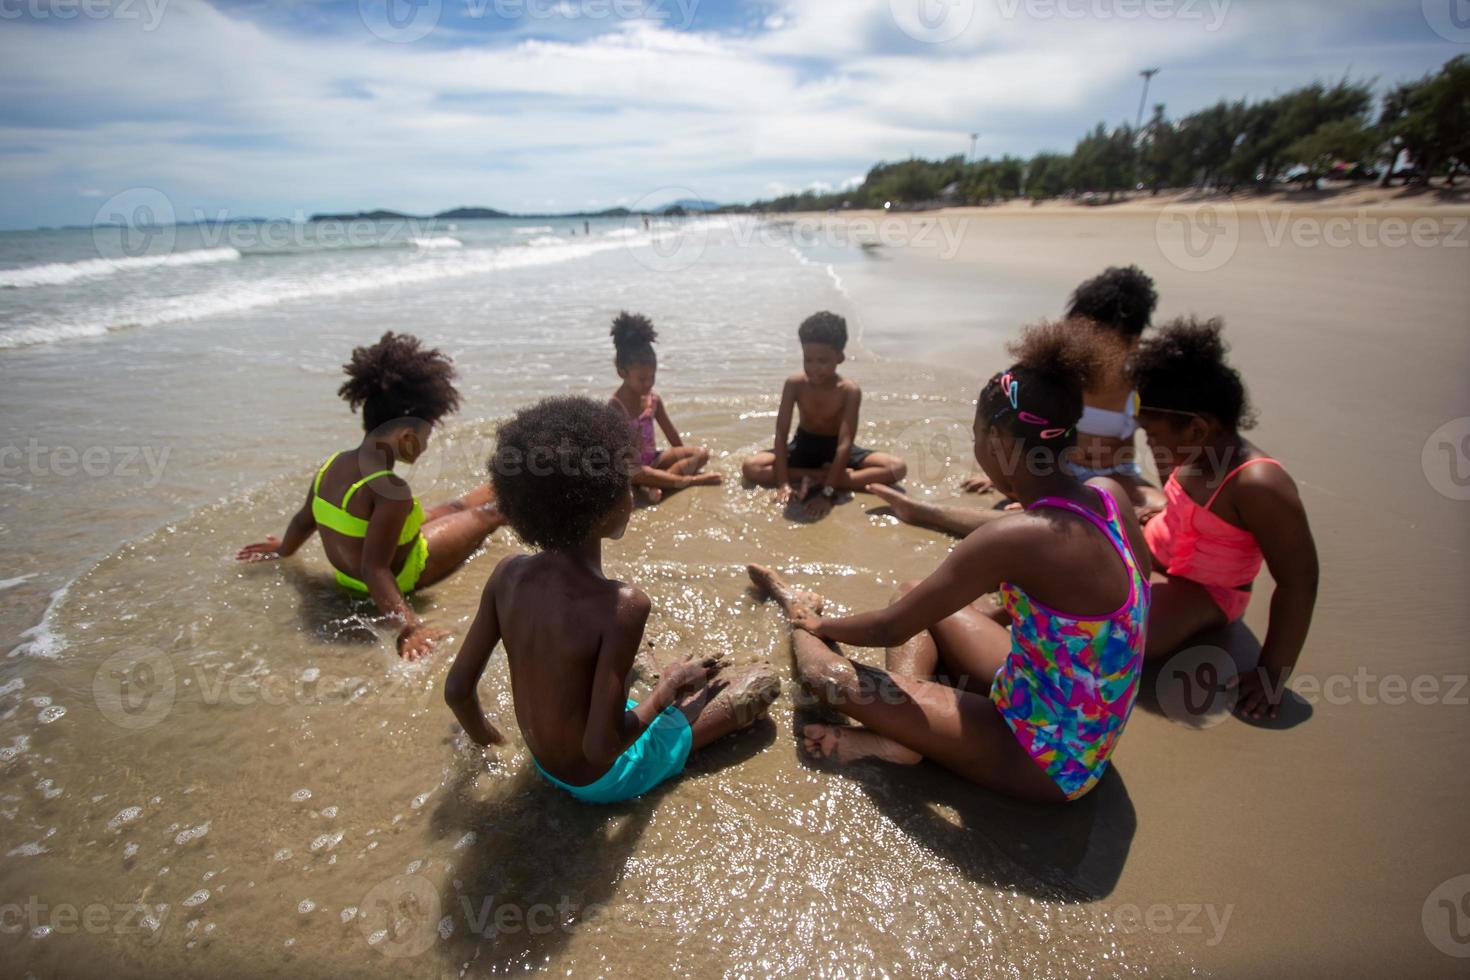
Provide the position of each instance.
(1231, 507)
(376, 534)
(1038, 688)
(677, 467)
(823, 459)
(571, 633)
(1114, 308)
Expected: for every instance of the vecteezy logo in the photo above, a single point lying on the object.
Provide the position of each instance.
(1193, 687)
(1198, 237)
(134, 688)
(400, 21)
(1446, 917)
(664, 239)
(1450, 19)
(932, 21)
(1446, 459)
(138, 221)
(399, 917)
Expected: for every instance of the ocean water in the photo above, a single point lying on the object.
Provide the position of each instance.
(230, 769)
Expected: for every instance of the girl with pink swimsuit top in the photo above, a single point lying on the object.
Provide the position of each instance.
(1194, 542)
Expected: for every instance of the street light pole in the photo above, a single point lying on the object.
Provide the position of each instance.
(974, 142)
(1148, 76)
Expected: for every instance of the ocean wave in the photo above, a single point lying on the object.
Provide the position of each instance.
(241, 297)
(58, 273)
(534, 230)
(441, 241)
(541, 241)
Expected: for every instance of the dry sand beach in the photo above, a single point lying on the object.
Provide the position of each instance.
(245, 782)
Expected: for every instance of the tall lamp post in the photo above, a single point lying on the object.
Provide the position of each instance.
(974, 142)
(1148, 76)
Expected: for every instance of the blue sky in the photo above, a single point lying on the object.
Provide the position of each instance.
(273, 107)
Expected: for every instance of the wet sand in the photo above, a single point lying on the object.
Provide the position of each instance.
(1328, 831)
(241, 754)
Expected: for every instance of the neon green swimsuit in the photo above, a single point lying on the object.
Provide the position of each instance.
(336, 518)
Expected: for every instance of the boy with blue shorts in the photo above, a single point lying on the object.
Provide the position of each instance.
(563, 471)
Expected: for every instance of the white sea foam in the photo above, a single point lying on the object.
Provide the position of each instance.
(534, 230)
(41, 640)
(57, 273)
(441, 241)
(242, 297)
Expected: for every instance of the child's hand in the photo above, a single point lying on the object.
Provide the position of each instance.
(690, 675)
(418, 641)
(1261, 691)
(805, 618)
(783, 494)
(979, 483)
(267, 550)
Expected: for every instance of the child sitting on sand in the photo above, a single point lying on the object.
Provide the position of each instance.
(1230, 507)
(561, 473)
(678, 466)
(1040, 687)
(1114, 308)
(375, 532)
(822, 459)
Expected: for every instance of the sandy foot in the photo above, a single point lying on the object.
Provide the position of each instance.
(846, 743)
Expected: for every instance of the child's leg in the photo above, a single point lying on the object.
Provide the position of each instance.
(972, 645)
(760, 469)
(682, 460)
(958, 521)
(481, 496)
(454, 537)
(734, 702)
(961, 731)
(1178, 610)
(879, 468)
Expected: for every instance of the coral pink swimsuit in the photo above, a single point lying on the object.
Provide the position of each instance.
(1195, 543)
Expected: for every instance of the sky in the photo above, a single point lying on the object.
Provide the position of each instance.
(280, 108)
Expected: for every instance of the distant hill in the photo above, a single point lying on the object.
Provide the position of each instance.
(688, 204)
(470, 214)
(473, 214)
(364, 216)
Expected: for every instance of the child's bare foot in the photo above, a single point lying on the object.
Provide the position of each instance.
(748, 695)
(904, 507)
(706, 480)
(847, 743)
(769, 583)
(651, 494)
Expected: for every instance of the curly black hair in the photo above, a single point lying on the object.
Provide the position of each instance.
(1123, 299)
(399, 378)
(1055, 362)
(1182, 368)
(633, 336)
(824, 328)
(559, 467)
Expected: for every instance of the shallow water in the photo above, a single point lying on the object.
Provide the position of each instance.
(224, 770)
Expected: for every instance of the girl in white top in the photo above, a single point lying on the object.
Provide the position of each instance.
(1118, 306)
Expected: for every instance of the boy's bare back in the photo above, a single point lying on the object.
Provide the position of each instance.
(555, 620)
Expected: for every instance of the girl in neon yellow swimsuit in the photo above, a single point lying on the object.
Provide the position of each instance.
(375, 532)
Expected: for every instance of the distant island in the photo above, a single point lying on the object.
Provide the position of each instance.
(681, 207)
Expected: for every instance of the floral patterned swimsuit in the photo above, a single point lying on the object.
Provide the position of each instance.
(1069, 683)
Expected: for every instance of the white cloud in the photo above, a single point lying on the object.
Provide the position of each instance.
(221, 112)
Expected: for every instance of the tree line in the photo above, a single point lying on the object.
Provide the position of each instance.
(1308, 134)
